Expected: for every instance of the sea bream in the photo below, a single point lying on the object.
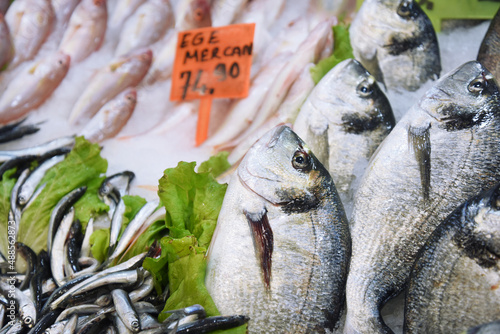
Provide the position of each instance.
(281, 248)
(343, 121)
(454, 282)
(443, 150)
(395, 41)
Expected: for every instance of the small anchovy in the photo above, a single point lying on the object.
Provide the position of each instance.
(39, 150)
(57, 251)
(28, 187)
(85, 249)
(116, 222)
(133, 227)
(62, 290)
(74, 244)
(125, 310)
(18, 132)
(16, 162)
(148, 321)
(44, 322)
(71, 324)
(16, 211)
(122, 278)
(31, 263)
(120, 326)
(34, 196)
(78, 310)
(143, 291)
(25, 305)
(132, 263)
(120, 181)
(60, 210)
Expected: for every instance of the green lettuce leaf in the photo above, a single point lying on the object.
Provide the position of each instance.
(215, 165)
(342, 50)
(83, 166)
(6, 185)
(99, 244)
(192, 201)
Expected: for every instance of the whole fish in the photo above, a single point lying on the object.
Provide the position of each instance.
(281, 248)
(343, 121)
(29, 89)
(443, 150)
(86, 29)
(146, 26)
(395, 41)
(112, 117)
(489, 51)
(30, 23)
(6, 47)
(121, 73)
(454, 282)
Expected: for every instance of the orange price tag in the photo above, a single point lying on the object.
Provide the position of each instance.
(212, 62)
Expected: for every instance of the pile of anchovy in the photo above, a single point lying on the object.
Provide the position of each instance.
(64, 289)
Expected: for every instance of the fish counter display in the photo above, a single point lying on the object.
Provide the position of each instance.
(117, 221)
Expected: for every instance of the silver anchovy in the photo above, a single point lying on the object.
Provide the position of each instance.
(442, 151)
(39, 150)
(125, 310)
(282, 243)
(455, 281)
(396, 42)
(29, 185)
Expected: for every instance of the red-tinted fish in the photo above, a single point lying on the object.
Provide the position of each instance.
(86, 30)
(32, 87)
(119, 74)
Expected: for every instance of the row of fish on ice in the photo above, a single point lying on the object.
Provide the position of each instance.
(290, 244)
(134, 44)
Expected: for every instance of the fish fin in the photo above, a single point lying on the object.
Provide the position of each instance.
(419, 142)
(373, 66)
(263, 241)
(318, 142)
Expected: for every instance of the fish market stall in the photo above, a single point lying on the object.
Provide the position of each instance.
(102, 70)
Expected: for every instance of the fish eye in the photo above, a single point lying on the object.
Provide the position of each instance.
(404, 9)
(301, 161)
(365, 89)
(477, 85)
(135, 324)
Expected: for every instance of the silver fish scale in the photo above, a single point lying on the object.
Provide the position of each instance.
(449, 291)
(391, 217)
